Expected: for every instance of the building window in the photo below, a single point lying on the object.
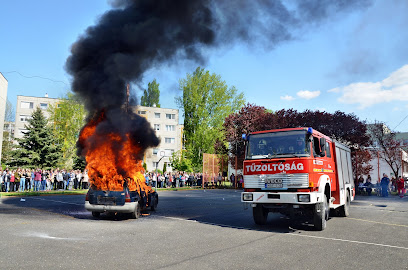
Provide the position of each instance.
(169, 152)
(24, 118)
(27, 105)
(170, 127)
(170, 116)
(155, 151)
(169, 140)
(156, 126)
(43, 106)
(141, 112)
(156, 115)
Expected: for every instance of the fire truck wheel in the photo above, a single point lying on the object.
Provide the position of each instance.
(136, 213)
(321, 215)
(260, 214)
(344, 210)
(96, 214)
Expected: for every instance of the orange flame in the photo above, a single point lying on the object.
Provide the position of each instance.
(111, 160)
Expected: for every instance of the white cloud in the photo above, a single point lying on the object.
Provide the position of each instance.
(392, 88)
(288, 98)
(335, 90)
(308, 94)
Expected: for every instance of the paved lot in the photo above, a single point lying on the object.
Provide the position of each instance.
(198, 230)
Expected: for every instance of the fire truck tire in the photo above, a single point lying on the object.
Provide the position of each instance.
(260, 214)
(321, 215)
(96, 214)
(344, 210)
(136, 214)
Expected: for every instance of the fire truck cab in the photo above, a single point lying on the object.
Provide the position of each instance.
(298, 172)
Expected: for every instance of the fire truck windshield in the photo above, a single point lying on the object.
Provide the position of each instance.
(278, 144)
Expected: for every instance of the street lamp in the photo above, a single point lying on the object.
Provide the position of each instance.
(161, 154)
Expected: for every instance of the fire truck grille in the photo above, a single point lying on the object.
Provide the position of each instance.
(277, 181)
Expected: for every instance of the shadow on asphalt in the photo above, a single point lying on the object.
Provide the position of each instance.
(203, 207)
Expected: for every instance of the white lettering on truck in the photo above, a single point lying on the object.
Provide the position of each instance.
(274, 167)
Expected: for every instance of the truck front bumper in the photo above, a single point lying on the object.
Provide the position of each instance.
(281, 197)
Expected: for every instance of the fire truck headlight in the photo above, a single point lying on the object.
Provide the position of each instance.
(304, 198)
(247, 197)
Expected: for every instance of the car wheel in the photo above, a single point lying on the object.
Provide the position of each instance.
(321, 215)
(155, 202)
(136, 213)
(96, 214)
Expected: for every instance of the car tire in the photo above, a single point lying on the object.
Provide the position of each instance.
(344, 210)
(136, 213)
(260, 214)
(155, 202)
(96, 214)
(321, 214)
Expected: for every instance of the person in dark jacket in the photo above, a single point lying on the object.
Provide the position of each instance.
(385, 181)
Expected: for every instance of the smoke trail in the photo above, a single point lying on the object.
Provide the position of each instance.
(139, 34)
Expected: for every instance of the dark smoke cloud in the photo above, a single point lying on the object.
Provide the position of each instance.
(139, 34)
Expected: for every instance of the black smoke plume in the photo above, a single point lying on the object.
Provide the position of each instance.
(140, 34)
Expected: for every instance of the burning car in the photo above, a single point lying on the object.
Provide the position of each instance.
(113, 151)
(125, 201)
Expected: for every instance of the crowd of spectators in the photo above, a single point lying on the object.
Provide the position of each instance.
(184, 179)
(382, 187)
(20, 180)
(173, 179)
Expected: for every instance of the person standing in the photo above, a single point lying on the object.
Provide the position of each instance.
(401, 187)
(32, 187)
(385, 181)
(232, 178)
(85, 180)
(17, 177)
(2, 189)
(12, 180)
(23, 176)
(37, 180)
(44, 176)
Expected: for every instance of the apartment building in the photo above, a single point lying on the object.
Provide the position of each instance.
(25, 107)
(3, 99)
(165, 122)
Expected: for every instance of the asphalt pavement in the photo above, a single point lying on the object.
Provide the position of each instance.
(198, 229)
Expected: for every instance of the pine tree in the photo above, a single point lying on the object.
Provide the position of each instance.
(38, 148)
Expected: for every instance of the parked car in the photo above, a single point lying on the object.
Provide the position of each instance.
(125, 201)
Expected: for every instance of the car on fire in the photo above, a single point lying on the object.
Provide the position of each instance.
(125, 201)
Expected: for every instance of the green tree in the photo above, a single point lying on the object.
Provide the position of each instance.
(7, 146)
(206, 101)
(38, 148)
(179, 162)
(151, 96)
(67, 118)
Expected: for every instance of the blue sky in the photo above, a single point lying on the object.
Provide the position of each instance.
(356, 62)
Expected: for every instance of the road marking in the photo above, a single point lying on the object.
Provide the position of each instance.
(46, 236)
(391, 224)
(292, 234)
(350, 241)
(58, 201)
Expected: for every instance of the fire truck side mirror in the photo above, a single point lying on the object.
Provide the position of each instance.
(322, 147)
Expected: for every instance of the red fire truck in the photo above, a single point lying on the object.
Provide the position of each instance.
(298, 172)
